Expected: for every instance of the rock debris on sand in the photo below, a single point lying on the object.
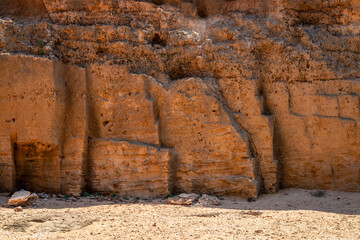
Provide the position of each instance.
(289, 214)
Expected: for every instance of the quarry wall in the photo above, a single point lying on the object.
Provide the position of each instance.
(148, 98)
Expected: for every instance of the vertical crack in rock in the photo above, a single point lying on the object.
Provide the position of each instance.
(252, 152)
(150, 85)
(240, 97)
(75, 133)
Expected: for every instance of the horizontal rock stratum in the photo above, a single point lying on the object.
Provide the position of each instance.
(148, 98)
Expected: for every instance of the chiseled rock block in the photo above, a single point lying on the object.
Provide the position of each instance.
(32, 107)
(325, 105)
(212, 156)
(42, 124)
(119, 105)
(349, 106)
(128, 169)
(32, 99)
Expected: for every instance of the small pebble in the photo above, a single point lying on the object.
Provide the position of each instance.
(18, 209)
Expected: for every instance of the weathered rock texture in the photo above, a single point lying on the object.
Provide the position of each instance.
(147, 98)
(132, 169)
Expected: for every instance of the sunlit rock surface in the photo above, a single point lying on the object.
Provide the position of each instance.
(158, 97)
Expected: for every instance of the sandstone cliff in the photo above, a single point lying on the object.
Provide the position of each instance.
(147, 98)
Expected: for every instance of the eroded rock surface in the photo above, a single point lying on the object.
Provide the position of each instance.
(164, 96)
(131, 169)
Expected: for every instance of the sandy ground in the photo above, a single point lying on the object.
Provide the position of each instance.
(289, 214)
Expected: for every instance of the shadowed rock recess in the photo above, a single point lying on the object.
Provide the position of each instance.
(148, 98)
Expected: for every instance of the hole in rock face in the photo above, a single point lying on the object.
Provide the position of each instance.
(158, 2)
(100, 51)
(178, 73)
(158, 40)
(37, 167)
(201, 11)
(184, 67)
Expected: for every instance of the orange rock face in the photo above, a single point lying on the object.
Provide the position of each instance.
(128, 168)
(148, 98)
